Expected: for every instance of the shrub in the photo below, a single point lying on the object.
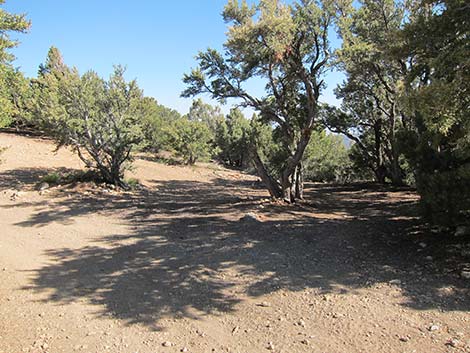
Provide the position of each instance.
(326, 158)
(52, 178)
(100, 120)
(189, 140)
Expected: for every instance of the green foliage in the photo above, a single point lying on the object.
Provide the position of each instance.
(371, 113)
(52, 178)
(326, 159)
(192, 137)
(206, 114)
(13, 85)
(100, 120)
(133, 183)
(155, 121)
(10, 23)
(189, 139)
(438, 99)
(15, 98)
(287, 47)
(233, 139)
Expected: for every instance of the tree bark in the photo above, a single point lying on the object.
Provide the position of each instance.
(299, 182)
(395, 169)
(272, 185)
(380, 173)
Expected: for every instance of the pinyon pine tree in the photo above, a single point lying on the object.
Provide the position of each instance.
(287, 47)
(100, 120)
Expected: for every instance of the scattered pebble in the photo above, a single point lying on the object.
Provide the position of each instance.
(453, 342)
(433, 328)
(44, 186)
(465, 274)
(250, 216)
(167, 344)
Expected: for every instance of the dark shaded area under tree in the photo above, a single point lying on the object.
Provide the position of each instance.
(181, 243)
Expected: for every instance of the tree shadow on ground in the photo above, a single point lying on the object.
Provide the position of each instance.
(28, 178)
(189, 253)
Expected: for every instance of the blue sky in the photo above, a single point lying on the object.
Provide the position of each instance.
(156, 40)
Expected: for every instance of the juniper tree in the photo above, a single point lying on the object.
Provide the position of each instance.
(100, 120)
(233, 137)
(372, 114)
(287, 47)
(189, 139)
(13, 85)
(436, 43)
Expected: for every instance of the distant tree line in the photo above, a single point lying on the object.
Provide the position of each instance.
(405, 100)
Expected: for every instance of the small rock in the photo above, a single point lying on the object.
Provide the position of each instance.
(306, 342)
(43, 186)
(452, 342)
(465, 274)
(184, 349)
(404, 339)
(395, 281)
(433, 328)
(235, 329)
(270, 346)
(167, 344)
(264, 304)
(251, 217)
(423, 245)
(200, 333)
(428, 258)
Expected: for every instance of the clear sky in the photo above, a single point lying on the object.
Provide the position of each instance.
(156, 40)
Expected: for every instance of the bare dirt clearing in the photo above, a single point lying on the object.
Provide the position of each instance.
(176, 267)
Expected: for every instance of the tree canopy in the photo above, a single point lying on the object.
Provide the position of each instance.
(287, 47)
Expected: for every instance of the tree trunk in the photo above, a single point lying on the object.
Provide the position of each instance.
(286, 186)
(380, 173)
(395, 169)
(299, 182)
(288, 175)
(272, 185)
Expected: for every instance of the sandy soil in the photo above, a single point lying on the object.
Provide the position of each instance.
(177, 267)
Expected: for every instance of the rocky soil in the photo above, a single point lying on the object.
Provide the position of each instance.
(199, 260)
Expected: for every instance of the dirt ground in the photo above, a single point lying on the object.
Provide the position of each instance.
(178, 266)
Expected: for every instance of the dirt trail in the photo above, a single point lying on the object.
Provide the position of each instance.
(173, 268)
